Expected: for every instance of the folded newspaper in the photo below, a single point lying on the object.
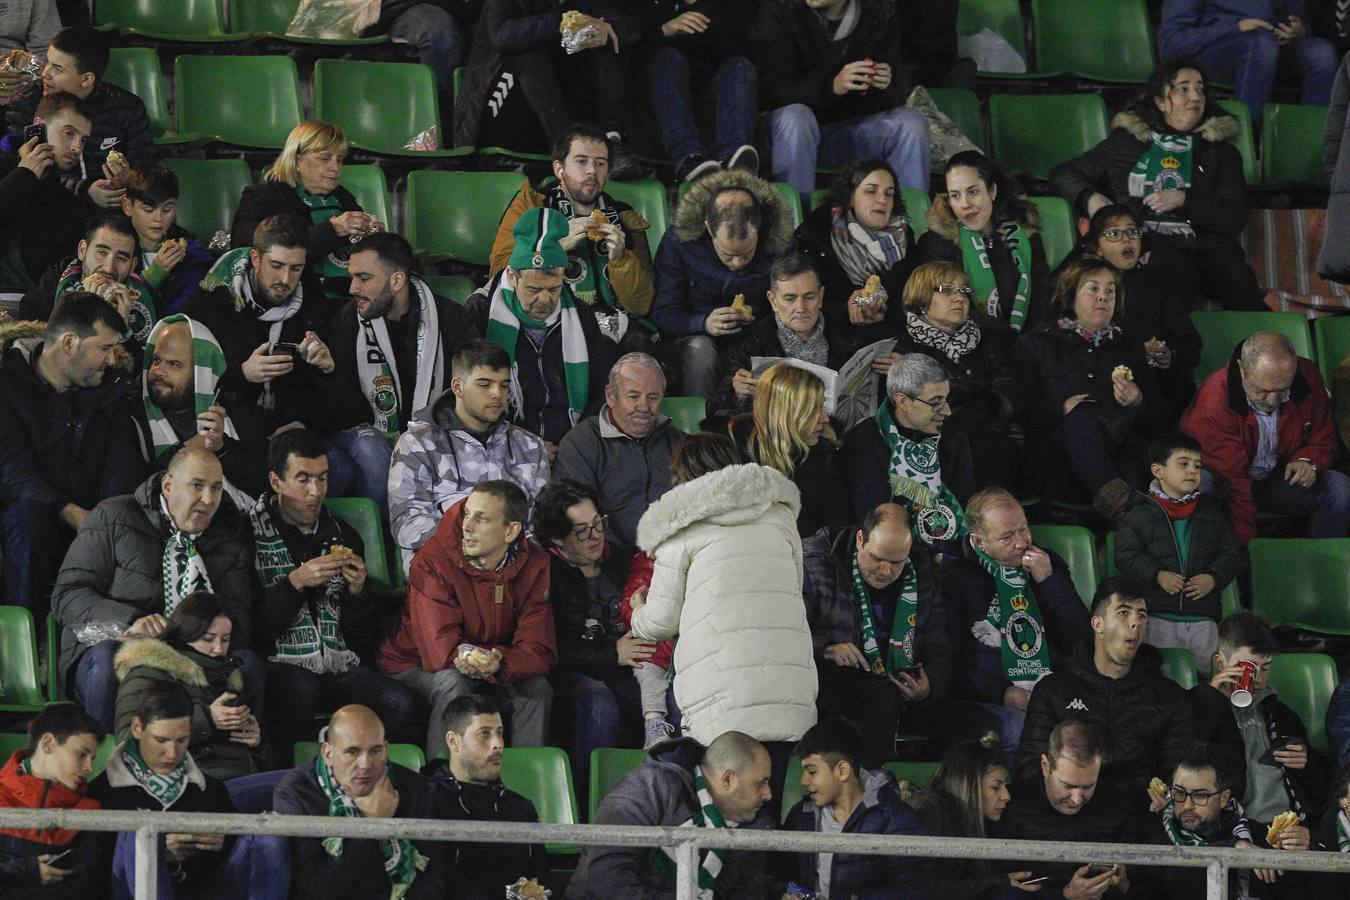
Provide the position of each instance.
(851, 392)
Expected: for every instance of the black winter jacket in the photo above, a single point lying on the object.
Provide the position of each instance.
(244, 458)
(982, 383)
(1147, 545)
(271, 198)
(867, 464)
(45, 220)
(819, 477)
(726, 35)
(958, 879)
(592, 651)
(761, 339)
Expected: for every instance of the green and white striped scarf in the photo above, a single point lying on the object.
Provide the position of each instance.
(916, 483)
(166, 789)
(234, 271)
(505, 318)
(143, 311)
(183, 568)
(975, 260)
(1164, 166)
(402, 861)
(208, 364)
(900, 647)
(314, 639)
(711, 860)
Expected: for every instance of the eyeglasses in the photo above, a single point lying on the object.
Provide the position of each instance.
(955, 289)
(935, 404)
(585, 532)
(1115, 235)
(1199, 798)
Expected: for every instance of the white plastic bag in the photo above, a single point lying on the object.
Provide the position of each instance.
(333, 19)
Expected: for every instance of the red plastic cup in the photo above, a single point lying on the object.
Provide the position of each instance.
(1242, 693)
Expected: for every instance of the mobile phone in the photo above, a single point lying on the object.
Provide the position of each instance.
(36, 130)
(1097, 869)
(287, 348)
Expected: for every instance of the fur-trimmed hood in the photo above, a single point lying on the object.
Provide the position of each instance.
(1217, 128)
(20, 331)
(155, 654)
(942, 220)
(730, 496)
(776, 230)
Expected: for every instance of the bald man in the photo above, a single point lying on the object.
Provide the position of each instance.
(682, 783)
(135, 558)
(353, 776)
(1264, 424)
(880, 638)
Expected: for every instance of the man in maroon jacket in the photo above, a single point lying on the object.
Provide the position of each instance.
(1265, 426)
(477, 617)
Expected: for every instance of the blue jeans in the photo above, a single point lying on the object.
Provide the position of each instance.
(592, 710)
(253, 793)
(1084, 444)
(1009, 722)
(800, 143)
(256, 867)
(1338, 725)
(733, 88)
(1248, 60)
(299, 695)
(1326, 503)
(364, 453)
(439, 41)
(32, 544)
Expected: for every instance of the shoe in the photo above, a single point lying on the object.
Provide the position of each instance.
(746, 158)
(623, 166)
(656, 730)
(695, 167)
(1112, 499)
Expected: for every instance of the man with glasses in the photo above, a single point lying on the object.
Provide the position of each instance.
(898, 456)
(1265, 425)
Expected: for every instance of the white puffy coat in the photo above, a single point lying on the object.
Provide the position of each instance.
(728, 581)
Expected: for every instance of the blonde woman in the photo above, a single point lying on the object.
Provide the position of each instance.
(304, 181)
(790, 431)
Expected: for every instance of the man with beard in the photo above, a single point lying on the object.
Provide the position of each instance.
(392, 344)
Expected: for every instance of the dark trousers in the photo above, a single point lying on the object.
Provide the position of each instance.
(597, 83)
(1084, 443)
(588, 713)
(869, 701)
(1215, 267)
(32, 544)
(1326, 503)
(676, 92)
(297, 695)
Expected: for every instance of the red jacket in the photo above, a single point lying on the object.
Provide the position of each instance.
(640, 576)
(452, 602)
(21, 791)
(1221, 420)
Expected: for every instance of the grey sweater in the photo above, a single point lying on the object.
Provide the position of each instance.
(28, 25)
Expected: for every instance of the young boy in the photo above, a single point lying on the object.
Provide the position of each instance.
(50, 774)
(170, 260)
(1181, 542)
(842, 798)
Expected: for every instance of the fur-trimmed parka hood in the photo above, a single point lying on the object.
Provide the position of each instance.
(155, 654)
(20, 331)
(942, 220)
(729, 496)
(776, 229)
(1217, 128)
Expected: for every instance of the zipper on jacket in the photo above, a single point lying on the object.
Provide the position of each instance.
(1176, 545)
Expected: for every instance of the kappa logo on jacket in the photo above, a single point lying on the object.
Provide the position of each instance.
(1077, 704)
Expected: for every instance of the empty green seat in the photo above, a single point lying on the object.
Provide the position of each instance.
(686, 413)
(1305, 683)
(543, 776)
(451, 287)
(179, 21)
(1057, 230)
(20, 690)
(608, 767)
(1074, 544)
(368, 186)
(454, 215)
(648, 199)
(917, 202)
(1004, 18)
(249, 101)
(1030, 134)
(409, 756)
(380, 106)
(963, 108)
(792, 786)
(209, 191)
(271, 18)
(1222, 330)
(1074, 36)
(1291, 145)
(363, 516)
(1245, 142)
(916, 773)
(1178, 664)
(1331, 337)
(793, 198)
(136, 69)
(1302, 582)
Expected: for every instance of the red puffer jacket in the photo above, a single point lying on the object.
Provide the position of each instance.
(640, 576)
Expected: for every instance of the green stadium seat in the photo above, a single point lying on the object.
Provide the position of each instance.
(1302, 583)
(248, 101)
(1003, 17)
(105, 750)
(1075, 546)
(53, 646)
(12, 741)
(1222, 330)
(458, 81)
(454, 215)
(380, 106)
(209, 191)
(271, 18)
(916, 773)
(917, 203)
(1178, 664)
(1291, 146)
(451, 287)
(136, 69)
(793, 198)
(368, 186)
(543, 776)
(608, 767)
(1032, 133)
(686, 413)
(20, 689)
(792, 786)
(1305, 682)
(649, 200)
(1230, 600)
(363, 516)
(1070, 36)
(409, 756)
(1331, 338)
(1245, 142)
(1057, 229)
(962, 106)
(182, 21)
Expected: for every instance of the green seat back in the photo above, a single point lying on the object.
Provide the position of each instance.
(1305, 683)
(1032, 133)
(1302, 582)
(1291, 145)
(686, 413)
(1331, 337)
(1075, 546)
(916, 773)
(1178, 664)
(792, 786)
(1070, 36)
(181, 20)
(451, 287)
(105, 750)
(608, 767)
(1230, 600)
(793, 198)
(454, 215)
(209, 192)
(1245, 141)
(963, 108)
(543, 776)
(363, 516)
(648, 199)
(380, 106)
(20, 689)
(136, 69)
(1222, 330)
(368, 186)
(53, 646)
(1057, 230)
(11, 741)
(262, 17)
(917, 203)
(1003, 17)
(409, 756)
(249, 101)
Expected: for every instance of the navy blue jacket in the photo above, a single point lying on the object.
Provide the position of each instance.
(691, 282)
(182, 281)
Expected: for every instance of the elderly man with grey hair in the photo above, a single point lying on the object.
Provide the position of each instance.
(1264, 423)
(624, 451)
(898, 456)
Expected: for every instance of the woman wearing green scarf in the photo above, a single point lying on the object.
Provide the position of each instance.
(304, 181)
(987, 226)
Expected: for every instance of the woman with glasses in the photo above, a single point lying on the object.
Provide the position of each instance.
(1092, 395)
(940, 322)
(1171, 159)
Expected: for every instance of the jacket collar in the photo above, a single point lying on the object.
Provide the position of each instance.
(609, 431)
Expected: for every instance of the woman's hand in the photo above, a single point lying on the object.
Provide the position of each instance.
(1073, 402)
(865, 313)
(1165, 201)
(351, 222)
(1126, 392)
(227, 717)
(882, 364)
(638, 600)
(249, 734)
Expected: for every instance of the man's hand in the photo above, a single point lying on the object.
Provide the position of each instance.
(854, 76)
(170, 254)
(1288, 32)
(210, 429)
(551, 449)
(614, 242)
(148, 626)
(723, 321)
(864, 313)
(316, 572)
(913, 684)
(1226, 677)
(354, 572)
(1295, 837)
(1293, 756)
(226, 717)
(1300, 473)
(10, 82)
(633, 650)
(262, 366)
(743, 384)
(1171, 582)
(1198, 586)
(179, 847)
(380, 803)
(1269, 876)
(103, 194)
(881, 76)
(1015, 697)
(1126, 392)
(115, 168)
(576, 232)
(1088, 887)
(73, 515)
(882, 364)
(317, 354)
(1156, 799)
(1253, 24)
(686, 23)
(249, 734)
(1016, 878)
(1037, 562)
(846, 655)
(1073, 401)
(479, 670)
(604, 35)
(36, 158)
(1166, 201)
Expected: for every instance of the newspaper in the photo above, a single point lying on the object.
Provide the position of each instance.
(851, 392)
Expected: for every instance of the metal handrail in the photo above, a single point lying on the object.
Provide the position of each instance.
(686, 841)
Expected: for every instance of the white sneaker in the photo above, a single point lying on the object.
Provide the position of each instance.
(657, 729)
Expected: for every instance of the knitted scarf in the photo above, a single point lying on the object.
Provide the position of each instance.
(505, 318)
(815, 349)
(1016, 616)
(586, 270)
(183, 568)
(321, 209)
(314, 639)
(143, 313)
(166, 789)
(900, 649)
(1180, 837)
(1091, 335)
(234, 271)
(1175, 509)
(208, 364)
(862, 252)
(378, 371)
(916, 482)
(402, 861)
(1342, 833)
(975, 260)
(954, 345)
(710, 861)
(1164, 166)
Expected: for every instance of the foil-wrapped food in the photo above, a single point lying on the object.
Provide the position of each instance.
(576, 30)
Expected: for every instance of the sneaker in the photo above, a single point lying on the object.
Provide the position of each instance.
(656, 730)
(695, 167)
(746, 158)
(623, 166)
